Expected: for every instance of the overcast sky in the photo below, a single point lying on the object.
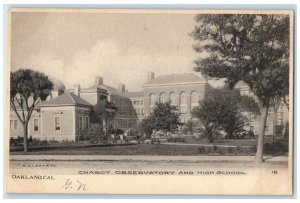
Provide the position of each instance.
(74, 47)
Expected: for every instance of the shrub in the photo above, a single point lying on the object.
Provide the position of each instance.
(202, 150)
(44, 142)
(19, 141)
(94, 133)
(133, 132)
(230, 150)
(276, 147)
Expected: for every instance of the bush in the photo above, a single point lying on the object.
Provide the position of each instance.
(230, 150)
(276, 147)
(19, 141)
(132, 132)
(94, 133)
(44, 142)
(202, 150)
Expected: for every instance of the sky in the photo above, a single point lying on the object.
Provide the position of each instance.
(122, 48)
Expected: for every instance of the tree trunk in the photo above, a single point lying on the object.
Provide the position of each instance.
(25, 129)
(261, 135)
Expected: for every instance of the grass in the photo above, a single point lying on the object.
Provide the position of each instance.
(231, 147)
(139, 149)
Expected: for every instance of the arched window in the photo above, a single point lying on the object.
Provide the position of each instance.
(183, 102)
(173, 100)
(151, 101)
(194, 99)
(162, 97)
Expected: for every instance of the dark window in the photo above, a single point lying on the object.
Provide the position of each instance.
(35, 125)
(57, 123)
(87, 122)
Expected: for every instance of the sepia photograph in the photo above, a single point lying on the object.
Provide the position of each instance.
(128, 101)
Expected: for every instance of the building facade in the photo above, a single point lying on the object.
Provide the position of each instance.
(277, 115)
(63, 118)
(67, 116)
(182, 90)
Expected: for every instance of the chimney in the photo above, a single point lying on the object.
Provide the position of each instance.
(121, 87)
(151, 76)
(98, 81)
(76, 89)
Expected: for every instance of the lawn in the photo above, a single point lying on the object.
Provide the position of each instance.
(229, 147)
(138, 149)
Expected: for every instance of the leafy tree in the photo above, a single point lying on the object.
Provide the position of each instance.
(146, 126)
(189, 126)
(58, 85)
(163, 117)
(99, 111)
(220, 108)
(27, 89)
(250, 48)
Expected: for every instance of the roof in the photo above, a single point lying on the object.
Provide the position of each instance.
(113, 90)
(135, 94)
(175, 78)
(66, 99)
(105, 88)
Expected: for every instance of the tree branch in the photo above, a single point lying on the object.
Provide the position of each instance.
(15, 110)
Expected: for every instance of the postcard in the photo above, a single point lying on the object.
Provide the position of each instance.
(133, 101)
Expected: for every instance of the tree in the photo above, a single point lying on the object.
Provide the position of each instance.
(146, 126)
(99, 112)
(163, 117)
(27, 89)
(220, 109)
(249, 48)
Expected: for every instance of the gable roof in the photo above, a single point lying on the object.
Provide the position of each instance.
(175, 78)
(66, 99)
(135, 94)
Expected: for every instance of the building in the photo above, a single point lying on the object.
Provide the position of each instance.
(67, 116)
(277, 116)
(63, 118)
(124, 116)
(182, 90)
(137, 101)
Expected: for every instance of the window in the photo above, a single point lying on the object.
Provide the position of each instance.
(183, 102)
(87, 122)
(136, 102)
(81, 123)
(35, 125)
(194, 99)
(142, 111)
(162, 97)
(267, 129)
(173, 99)
(152, 101)
(142, 102)
(13, 124)
(57, 123)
